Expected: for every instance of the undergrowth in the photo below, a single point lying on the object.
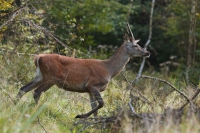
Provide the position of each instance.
(57, 108)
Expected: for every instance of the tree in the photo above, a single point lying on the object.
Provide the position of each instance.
(183, 29)
(79, 24)
(192, 39)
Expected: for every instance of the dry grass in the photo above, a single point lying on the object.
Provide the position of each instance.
(57, 108)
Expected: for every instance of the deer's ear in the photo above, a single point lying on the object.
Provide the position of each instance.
(136, 41)
(126, 37)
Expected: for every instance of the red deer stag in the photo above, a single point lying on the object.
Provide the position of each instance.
(81, 75)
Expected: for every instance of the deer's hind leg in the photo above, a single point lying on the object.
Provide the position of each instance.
(42, 88)
(33, 84)
(27, 88)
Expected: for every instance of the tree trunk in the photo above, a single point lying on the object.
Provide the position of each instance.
(192, 39)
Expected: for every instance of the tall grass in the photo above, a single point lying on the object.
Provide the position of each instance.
(57, 108)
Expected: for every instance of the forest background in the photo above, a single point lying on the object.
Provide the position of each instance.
(94, 29)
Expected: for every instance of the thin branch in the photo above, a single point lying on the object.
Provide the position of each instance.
(149, 38)
(164, 81)
(48, 33)
(31, 23)
(143, 97)
(139, 116)
(3, 90)
(193, 97)
(14, 15)
(97, 120)
(131, 107)
(14, 52)
(38, 120)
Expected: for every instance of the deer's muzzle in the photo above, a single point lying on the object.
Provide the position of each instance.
(147, 54)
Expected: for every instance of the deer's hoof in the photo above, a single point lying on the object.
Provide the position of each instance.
(80, 116)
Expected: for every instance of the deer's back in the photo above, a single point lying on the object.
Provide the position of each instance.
(72, 73)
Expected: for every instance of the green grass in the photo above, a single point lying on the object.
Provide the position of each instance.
(57, 108)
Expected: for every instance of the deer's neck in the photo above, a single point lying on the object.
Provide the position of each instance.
(117, 61)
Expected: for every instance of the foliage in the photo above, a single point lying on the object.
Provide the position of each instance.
(5, 5)
(177, 28)
(83, 27)
(86, 22)
(64, 20)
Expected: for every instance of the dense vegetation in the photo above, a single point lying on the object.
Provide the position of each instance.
(94, 29)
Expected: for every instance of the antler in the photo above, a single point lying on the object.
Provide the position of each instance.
(129, 31)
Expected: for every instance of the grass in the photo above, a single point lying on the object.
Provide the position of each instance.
(57, 108)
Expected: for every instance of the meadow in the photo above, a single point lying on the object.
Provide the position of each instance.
(126, 104)
(165, 99)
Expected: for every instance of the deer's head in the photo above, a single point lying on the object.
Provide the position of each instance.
(133, 49)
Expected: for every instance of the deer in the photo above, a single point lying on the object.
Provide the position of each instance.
(82, 75)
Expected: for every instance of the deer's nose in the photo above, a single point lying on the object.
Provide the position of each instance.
(147, 54)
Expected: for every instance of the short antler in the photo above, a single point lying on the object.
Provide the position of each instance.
(129, 31)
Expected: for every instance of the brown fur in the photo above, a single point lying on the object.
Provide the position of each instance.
(71, 73)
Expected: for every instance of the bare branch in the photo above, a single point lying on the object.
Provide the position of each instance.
(3, 90)
(14, 15)
(31, 23)
(41, 124)
(14, 52)
(140, 116)
(48, 33)
(149, 39)
(161, 80)
(143, 97)
(131, 107)
(94, 121)
(193, 97)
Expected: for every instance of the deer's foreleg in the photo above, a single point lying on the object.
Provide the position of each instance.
(96, 94)
(93, 103)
